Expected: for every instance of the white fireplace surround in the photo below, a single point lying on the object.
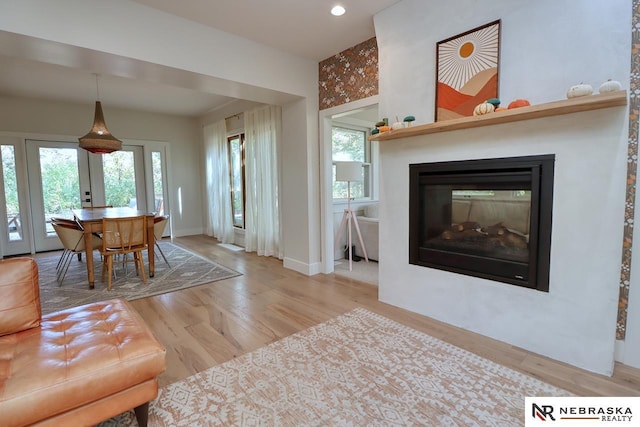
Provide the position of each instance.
(575, 321)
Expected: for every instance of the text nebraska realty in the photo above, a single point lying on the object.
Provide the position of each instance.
(609, 413)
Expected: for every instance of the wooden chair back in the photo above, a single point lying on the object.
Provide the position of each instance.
(121, 236)
(124, 234)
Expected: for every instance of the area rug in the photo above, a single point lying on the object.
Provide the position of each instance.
(187, 270)
(354, 370)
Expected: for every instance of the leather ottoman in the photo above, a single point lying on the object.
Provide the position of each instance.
(79, 366)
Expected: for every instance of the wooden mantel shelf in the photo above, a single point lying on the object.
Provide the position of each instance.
(574, 105)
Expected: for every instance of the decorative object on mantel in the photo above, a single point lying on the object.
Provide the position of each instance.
(483, 108)
(397, 124)
(408, 120)
(99, 140)
(519, 103)
(609, 86)
(582, 89)
(555, 108)
(466, 71)
(375, 131)
(494, 101)
(383, 126)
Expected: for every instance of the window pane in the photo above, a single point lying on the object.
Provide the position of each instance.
(237, 199)
(156, 164)
(348, 145)
(119, 179)
(60, 183)
(11, 192)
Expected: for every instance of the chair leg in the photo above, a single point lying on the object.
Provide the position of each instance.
(109, 271)
(64, 254)
(136, 263)
(64, 267)
(66, 258)
(141, 261)
(162, 253)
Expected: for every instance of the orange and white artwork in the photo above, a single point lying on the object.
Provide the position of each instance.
(467, 71)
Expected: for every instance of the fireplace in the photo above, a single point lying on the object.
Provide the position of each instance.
(488, 218)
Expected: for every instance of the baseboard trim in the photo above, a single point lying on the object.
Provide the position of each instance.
(302, 267)
(187, 232)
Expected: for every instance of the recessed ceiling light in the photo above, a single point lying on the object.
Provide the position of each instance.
(338, 10)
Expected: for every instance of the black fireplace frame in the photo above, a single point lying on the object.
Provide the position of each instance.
(535, 273)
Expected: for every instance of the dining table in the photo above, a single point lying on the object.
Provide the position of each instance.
(91, 221)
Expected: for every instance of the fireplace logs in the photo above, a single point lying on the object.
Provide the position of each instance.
(495, 241)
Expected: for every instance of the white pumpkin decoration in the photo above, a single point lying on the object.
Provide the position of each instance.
(484, 108)
(610, 86)
(397, 125)
(582, 89)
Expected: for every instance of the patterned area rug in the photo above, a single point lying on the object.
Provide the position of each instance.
(357, 369)
(187, 270)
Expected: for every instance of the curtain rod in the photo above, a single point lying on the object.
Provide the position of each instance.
(230, 117)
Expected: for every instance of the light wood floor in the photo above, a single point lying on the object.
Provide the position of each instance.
(210, 324)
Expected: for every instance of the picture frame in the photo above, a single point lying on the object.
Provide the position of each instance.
(467, 70)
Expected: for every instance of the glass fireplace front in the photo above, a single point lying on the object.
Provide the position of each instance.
(487, 218)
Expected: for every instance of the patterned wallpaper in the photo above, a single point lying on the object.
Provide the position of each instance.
(632, 167)
(350, 75)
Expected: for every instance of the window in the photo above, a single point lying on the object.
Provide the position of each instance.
(236, 168)
(12, 205)
(120, 179)
(350, 144)
(158, 182)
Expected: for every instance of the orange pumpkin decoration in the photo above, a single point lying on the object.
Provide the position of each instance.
(384, 128)
(519, 103)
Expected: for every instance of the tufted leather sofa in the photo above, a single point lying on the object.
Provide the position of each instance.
(75, 367)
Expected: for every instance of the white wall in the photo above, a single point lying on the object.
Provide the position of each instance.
(546, 47)
(34, 116)
(253, 72)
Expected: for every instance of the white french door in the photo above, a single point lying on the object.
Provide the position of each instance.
(59, 181)
(14, 204)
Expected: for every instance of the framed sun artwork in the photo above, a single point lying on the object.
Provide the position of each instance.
(467, 71)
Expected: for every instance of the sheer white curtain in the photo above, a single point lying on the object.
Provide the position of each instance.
(262, 221)
(219, 218)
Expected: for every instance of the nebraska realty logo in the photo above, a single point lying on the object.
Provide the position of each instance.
(586, 410)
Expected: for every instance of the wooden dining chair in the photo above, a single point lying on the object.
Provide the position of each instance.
(123, 236)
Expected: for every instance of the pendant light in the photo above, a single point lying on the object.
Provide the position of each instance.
(99, 140)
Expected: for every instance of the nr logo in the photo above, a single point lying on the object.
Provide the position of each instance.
(543, 412)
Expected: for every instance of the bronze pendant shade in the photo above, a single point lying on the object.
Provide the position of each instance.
(99, 140)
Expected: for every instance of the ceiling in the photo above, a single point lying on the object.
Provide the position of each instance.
(318, 35)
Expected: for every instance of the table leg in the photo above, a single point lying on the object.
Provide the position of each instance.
(88, 254)
(150, 246)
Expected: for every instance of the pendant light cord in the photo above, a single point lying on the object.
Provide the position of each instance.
(97, 88)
